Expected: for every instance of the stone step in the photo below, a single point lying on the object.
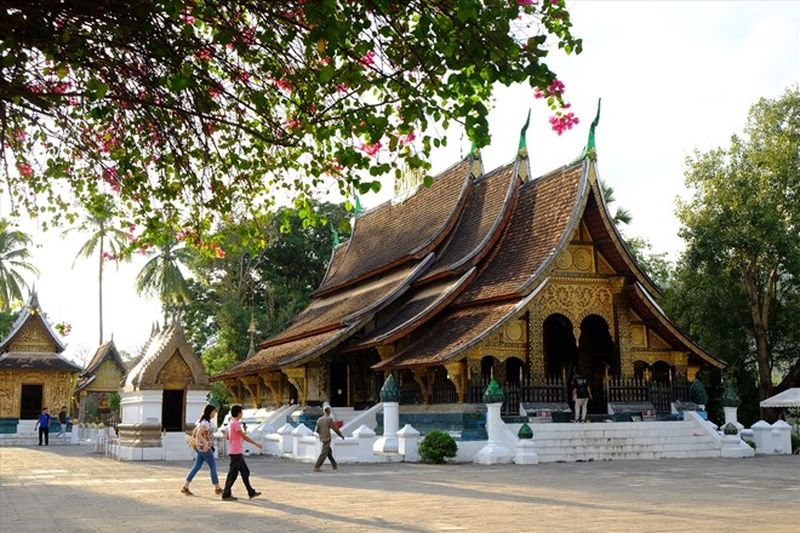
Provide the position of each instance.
(571, 457)
(627, 448)
(630, 441)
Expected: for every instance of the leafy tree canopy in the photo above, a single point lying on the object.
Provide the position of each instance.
(740, 271)
(267, 285)
(181, 111)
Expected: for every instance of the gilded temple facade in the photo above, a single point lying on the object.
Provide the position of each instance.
(33, 373)
(479, 276)
(100, 379)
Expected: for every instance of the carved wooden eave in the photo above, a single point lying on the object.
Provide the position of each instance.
(297, 376)
(651, 307)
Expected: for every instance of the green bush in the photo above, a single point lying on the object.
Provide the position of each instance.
(795, 443)
(436, 446)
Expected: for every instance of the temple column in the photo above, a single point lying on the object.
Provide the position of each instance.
(623, 331)
(536, 344)
(457, 374)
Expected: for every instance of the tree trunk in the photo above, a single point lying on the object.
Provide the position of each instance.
(759, 309)
(100, 288)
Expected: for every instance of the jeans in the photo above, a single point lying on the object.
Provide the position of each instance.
(199, 459)
(325, 453)
(46, 433)
(238, 466)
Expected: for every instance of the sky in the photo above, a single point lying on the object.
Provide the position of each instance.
(674, 76)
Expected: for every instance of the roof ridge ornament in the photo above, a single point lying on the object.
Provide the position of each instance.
(591, 150)
(476, 162)
(523, 170)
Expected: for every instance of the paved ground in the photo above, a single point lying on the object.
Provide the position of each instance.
(69, 489)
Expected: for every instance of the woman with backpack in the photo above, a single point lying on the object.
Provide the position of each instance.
(202, 440)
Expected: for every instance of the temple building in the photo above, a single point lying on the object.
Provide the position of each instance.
(162, 397)
(100, 379)
(33, 373)
(480, 275)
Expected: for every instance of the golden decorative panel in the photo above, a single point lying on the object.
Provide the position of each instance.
(297, 377)
(603, 267)
(576, 258)
(656, 341)
(638, 336)
(32, 337)
(57, 389)
(107, 377)
(175, 374)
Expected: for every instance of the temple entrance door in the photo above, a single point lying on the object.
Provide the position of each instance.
(597, 356)
(560, 349)
(340, 384)
(31, 405)
(172, 410)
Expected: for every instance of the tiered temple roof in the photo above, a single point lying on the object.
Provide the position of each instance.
(449, 265)
(105, 352)
(32, 344)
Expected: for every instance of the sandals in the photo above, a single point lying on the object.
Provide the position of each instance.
(218, 490)
(186, 491)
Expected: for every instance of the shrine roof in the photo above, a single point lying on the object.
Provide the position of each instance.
(453, 333)
(544, 216)
(273, 357)
(422, 303)
(104, 351)
(482, 221)
(157, 351)
(395, 232)
(37, 361)
(648, 309)
(351, 304)
(32, 311)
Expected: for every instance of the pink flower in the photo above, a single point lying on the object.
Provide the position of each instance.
(407, 139)
(341, 88)
(525, 3)
(367, 59)
(61, 87)
(555, 88)
(292, 124)
(560, 123)
(19, 135)
(213, 92)
(371, 149)
(284, 85)
(187, 17)
(538, 93)
(203, 54)
(244, 76)
(25, 170)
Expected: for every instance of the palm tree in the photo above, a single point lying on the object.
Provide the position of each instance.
(109, 243)
(13, 255)
(161, 276)
(622, 216)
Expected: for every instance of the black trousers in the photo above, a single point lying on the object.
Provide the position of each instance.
(237, 466)
(46, 433)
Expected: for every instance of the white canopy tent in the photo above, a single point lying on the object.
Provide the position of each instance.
(788, 398)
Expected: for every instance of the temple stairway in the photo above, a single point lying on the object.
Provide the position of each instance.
(606, 441)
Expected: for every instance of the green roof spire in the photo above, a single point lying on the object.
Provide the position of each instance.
(590, 146)
(522, 150)
(358, 209)
(335, 235)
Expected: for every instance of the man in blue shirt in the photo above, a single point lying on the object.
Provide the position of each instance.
(44, 427)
